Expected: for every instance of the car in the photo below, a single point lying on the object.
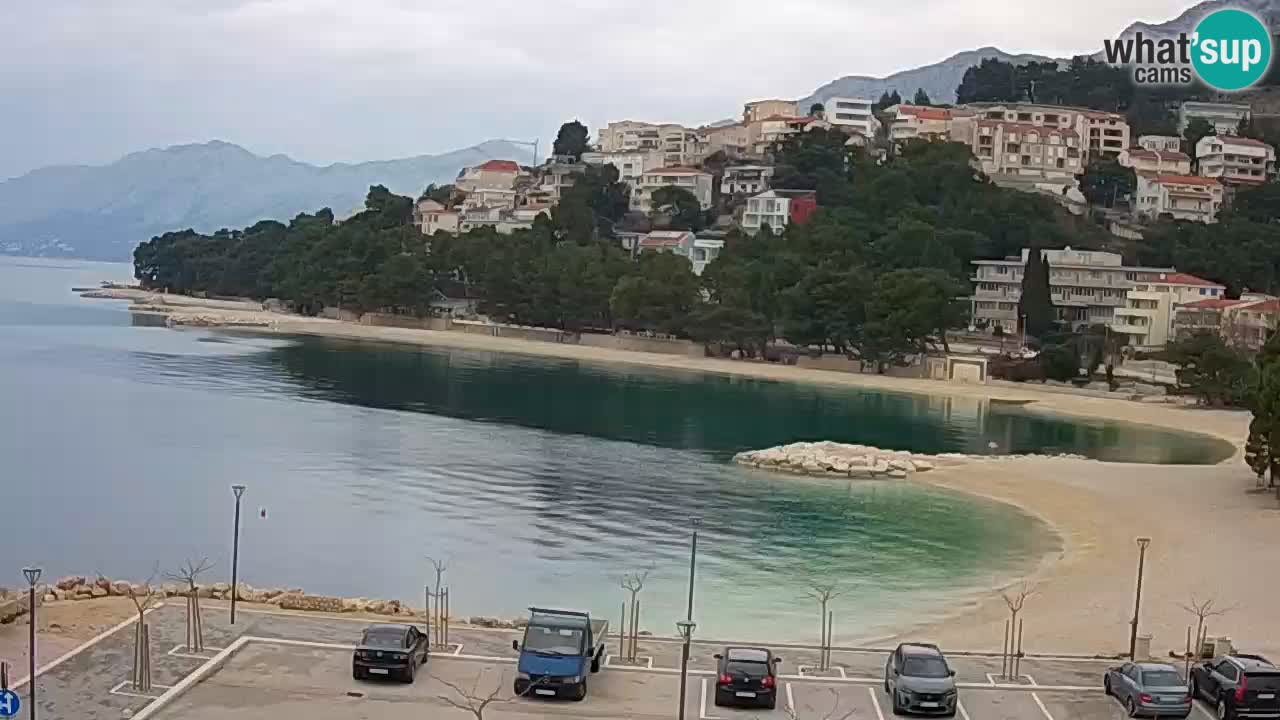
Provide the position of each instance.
(1238, 686)
(919, 680)
(391, 651)
(747, 676)
(1149, 689)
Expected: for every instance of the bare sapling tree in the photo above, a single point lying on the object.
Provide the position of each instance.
(436, 595)
(824, 593)
(475, 701)
(1015, 598)
(633, 583)
(189, 575)
(1203, 610)
(143, 596)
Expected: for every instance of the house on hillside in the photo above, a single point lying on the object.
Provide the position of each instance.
(430, 216)
(1244, 323)
(1235, 160)
(1182, 197)
(692, 179)
(745, 179)
(778, 209)
(1158, 162)
(1150, 309)
(1171, 143)
(493, 174)
(1224, 117)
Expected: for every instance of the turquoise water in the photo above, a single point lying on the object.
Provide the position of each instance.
(541, 481)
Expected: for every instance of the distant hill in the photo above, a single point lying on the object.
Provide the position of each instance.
(1268, 10)
(103, 212)
(939, 80)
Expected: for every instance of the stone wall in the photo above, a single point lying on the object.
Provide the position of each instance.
(639, 343)
(404, 321)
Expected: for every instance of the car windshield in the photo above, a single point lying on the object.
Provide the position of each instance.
(383, 639)
(553, 640)
(928, 667)
(1161, 678)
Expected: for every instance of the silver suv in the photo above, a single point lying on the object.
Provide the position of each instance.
(919, 680)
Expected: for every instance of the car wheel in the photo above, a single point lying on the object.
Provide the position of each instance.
(717, 701)
(582, 691)
(886, 686)
(356, 674)
(1224, 712)
(1192, 690)
(897, 709)
(773, 701)
(1131, 707)
(1106, 684)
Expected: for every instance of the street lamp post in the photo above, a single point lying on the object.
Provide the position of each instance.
(1143, 542)
(33, 576)
(686, 626)
(235, 550)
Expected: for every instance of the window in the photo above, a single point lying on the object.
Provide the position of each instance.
(1228, 670)
(1002, 270)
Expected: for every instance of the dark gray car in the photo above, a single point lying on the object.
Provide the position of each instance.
(919, 680)
(1149, 690)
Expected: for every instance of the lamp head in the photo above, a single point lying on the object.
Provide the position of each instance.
(238, 490)
(686, 628)
(32, 574)
(1143, 542)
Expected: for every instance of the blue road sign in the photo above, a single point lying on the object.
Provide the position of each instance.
(9, 703)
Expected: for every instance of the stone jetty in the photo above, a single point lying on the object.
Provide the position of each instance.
(839, 459)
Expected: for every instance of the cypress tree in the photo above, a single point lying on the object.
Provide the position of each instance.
(1036, 304)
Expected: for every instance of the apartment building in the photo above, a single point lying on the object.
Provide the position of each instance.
(761, 109)
(699, 251)
(630, 164)
(1245, 323)
(852, 115)
(1087, 287)
(1147, 318)
(679, 145)
(1171, 143)
(1158, 162)
(558, 173)
(1224, 117)
(778, 209)
(691, 179)
(733, 140)
(1235, 160)
(914, 121)
(430, 216)
(1107, 133)
(1025, 150)
(763, 133)
(492, 175)
(745, 179)
(1182, 197)
(489, 198)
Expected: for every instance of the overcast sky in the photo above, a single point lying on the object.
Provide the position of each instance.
(86, 81)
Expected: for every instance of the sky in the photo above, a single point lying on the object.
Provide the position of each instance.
(87, 81)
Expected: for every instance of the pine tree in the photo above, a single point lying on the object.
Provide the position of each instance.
(1036, 304)
(1257, 451)
(921, 98)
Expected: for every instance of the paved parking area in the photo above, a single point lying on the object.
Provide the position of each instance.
(298, 666)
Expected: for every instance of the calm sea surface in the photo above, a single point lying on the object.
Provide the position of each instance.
(540, 481)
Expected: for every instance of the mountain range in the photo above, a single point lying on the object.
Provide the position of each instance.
(103, 212)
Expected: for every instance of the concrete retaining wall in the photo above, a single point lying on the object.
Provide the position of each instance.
(404, 321)
(639, 343)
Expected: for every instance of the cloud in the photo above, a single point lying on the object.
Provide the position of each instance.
(330, 80)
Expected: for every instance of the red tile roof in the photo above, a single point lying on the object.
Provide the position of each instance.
(1185, 180)
(1177, 278)
(925, 113)
(500, 166)
(1265, 306)
(1211, 304)
(1233, 140)
(1158, 155)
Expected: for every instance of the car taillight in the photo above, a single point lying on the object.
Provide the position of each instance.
(1244, 683)
(1145, 698)
(725, 679)
(767, 681)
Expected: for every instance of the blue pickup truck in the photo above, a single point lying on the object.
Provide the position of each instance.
(560, 648)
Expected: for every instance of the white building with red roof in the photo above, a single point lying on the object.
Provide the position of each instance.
(1147, 318)
(1160, 162)
(1245, 323)
(1182, 197)
(492, 175)
(1235, 160)
(691, 179)
(1027, 151)
(917, 121)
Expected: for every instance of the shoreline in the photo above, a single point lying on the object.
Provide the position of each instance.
(1194, 513)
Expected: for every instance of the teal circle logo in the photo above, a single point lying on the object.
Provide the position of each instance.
(1231, 49)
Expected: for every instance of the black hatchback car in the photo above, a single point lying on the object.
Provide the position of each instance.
(1238, 686)
(390, 651)
(747, 676)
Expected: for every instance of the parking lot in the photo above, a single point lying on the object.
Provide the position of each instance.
(283, 666)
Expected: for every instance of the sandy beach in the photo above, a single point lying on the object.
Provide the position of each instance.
(1212, 535)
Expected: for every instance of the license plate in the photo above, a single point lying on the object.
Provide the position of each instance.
(1266, 696)
(929, 704)
(743, 693)
(544, 691)
(379, 671)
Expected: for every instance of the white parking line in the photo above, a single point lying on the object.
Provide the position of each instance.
(1030, 679)
(117, 690)
(82, 647)
(791, 701)
(180, 651)
(1199, 705)
(702, 706)
(457, 650)
(800, 670)
(1043, 709)
(648, 662)
(963, 713)
(875, 702)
